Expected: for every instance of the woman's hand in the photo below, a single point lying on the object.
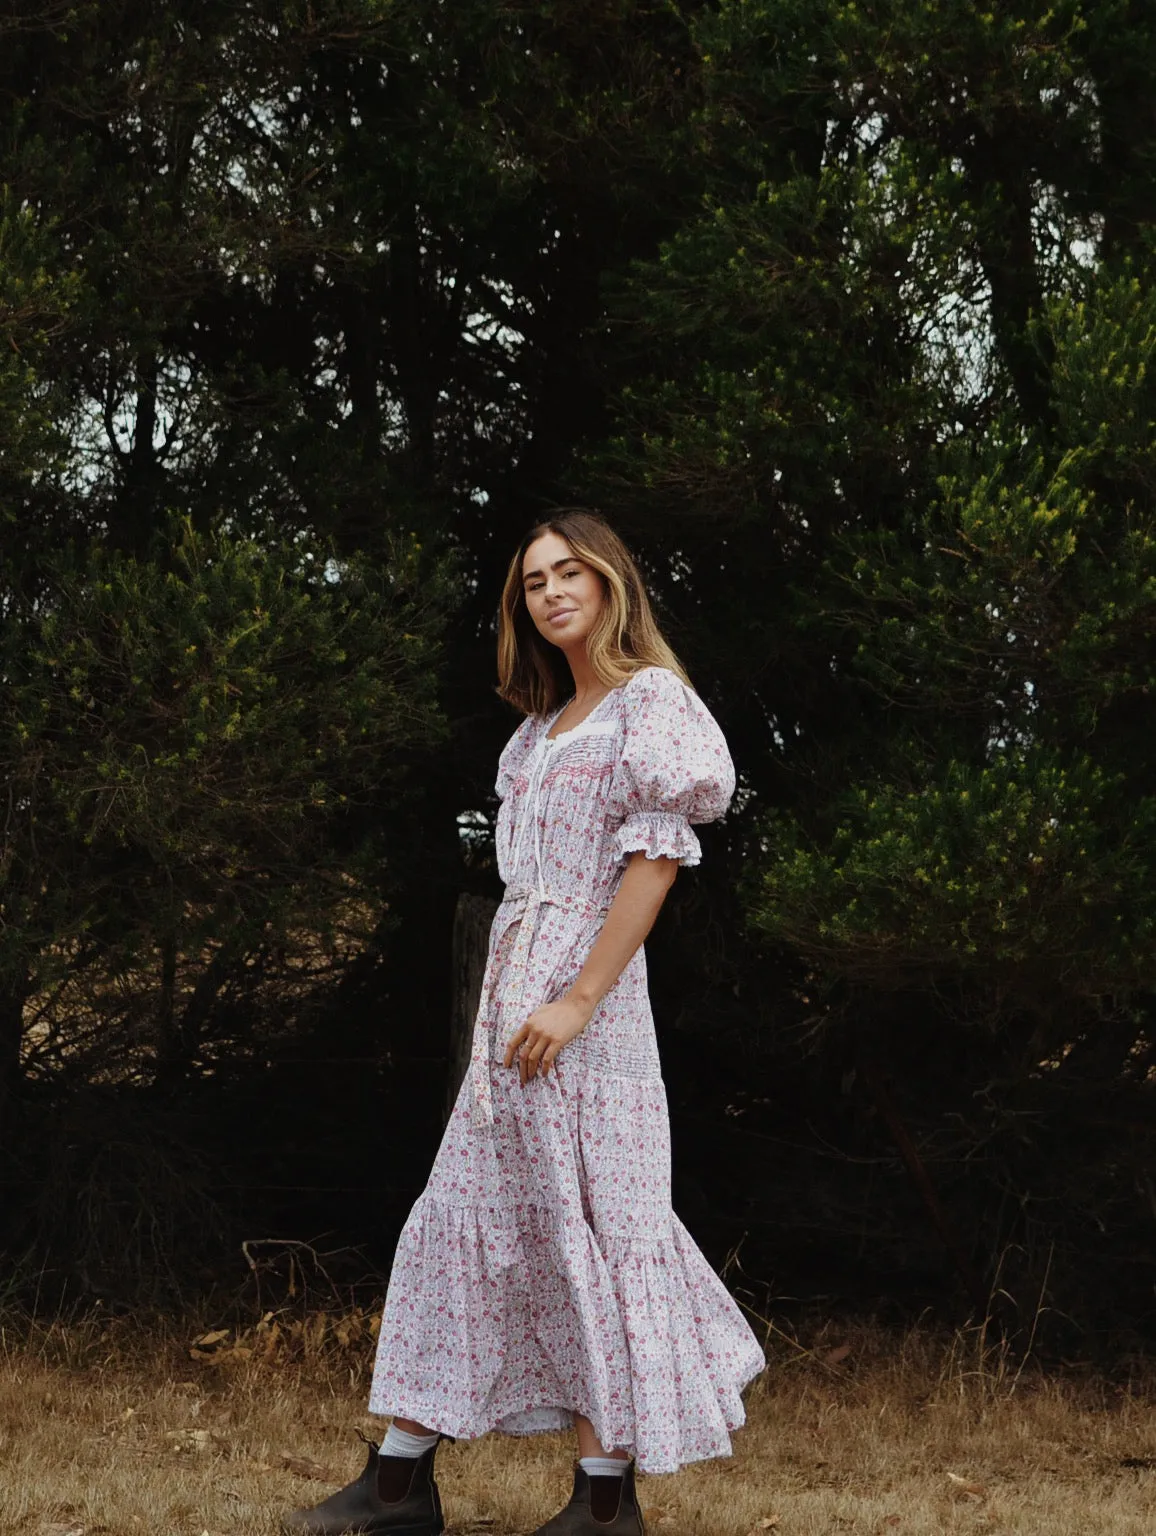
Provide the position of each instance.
(544, 1034)
(640, 893)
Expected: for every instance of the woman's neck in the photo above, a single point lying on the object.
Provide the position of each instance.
(586, 682)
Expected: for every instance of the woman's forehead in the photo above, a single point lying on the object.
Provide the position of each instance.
(545, 550)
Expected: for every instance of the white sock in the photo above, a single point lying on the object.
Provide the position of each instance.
(399, 1442)
(604, 1466)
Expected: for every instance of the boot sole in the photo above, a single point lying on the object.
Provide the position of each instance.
(422, 1529)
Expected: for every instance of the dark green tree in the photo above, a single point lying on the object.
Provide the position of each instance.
(841, 312)
(890, 429)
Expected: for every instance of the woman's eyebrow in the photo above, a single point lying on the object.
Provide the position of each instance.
(554, 564)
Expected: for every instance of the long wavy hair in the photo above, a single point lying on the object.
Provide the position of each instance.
(534, 675)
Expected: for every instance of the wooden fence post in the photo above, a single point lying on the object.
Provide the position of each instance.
(473, 917)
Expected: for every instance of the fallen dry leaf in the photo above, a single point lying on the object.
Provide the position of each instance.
(964, 1489)
(236, 1355)
(194, 1440)
(301, 1466)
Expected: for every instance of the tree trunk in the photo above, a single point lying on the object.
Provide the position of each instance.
(473, 918)
(12, 1005)
(984, 1299)
(170, 1052)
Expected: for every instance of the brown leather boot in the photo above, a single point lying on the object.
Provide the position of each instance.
(599, 1506)
(394, 1496)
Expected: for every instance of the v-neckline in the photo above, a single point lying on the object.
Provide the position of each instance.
(557, 715)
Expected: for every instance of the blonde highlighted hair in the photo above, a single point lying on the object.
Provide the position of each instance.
(534, 675)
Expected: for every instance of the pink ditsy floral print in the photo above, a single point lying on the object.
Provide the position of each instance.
(542, 1271)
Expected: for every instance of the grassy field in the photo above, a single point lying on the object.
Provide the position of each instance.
(108, 1432)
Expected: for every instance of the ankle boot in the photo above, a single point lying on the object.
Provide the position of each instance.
(599, 1506)
(394, 1496)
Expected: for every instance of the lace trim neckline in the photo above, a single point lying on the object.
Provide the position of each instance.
(584, 720)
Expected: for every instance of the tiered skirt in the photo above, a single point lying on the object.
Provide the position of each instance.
(543, 1272)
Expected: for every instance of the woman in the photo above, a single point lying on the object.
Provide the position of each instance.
(542, 1279)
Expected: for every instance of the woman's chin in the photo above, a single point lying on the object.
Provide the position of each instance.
(565, 639)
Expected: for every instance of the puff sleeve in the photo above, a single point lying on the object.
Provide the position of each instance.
(674, 768)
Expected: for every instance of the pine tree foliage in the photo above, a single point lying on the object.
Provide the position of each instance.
(844, 313)
(896, 396)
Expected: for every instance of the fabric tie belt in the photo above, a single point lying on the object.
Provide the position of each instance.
(519, 904)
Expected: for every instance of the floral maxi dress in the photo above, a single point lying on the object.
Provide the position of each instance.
(542, 1271)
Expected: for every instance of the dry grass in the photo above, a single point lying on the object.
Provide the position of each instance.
(863, 1432)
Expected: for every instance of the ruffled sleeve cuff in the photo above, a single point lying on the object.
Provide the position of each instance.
(660, 835)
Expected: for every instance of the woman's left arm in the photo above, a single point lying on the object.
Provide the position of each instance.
(636, 904)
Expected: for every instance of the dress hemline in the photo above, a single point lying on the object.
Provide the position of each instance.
(434, 1418)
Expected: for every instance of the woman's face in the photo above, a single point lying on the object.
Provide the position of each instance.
(563, 593)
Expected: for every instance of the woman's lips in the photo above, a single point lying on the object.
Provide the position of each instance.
(563, 613)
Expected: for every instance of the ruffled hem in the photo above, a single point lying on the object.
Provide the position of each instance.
(513, 1321)
(660, 835)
